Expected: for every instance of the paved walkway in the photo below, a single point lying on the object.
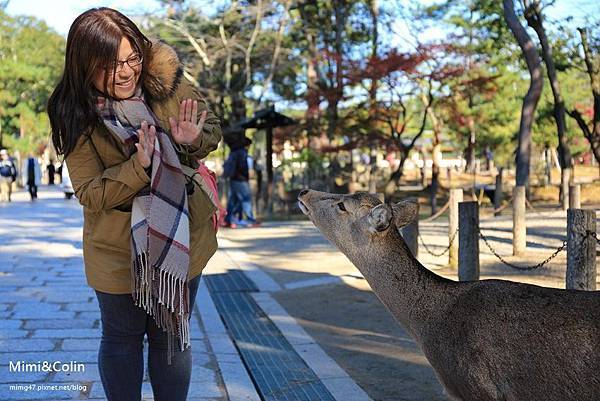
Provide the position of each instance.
(49, 314)
(280, 313)
(245, 346)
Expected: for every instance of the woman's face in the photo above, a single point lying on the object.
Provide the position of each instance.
(126, 77)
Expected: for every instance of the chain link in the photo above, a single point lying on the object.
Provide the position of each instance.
(529, 267)
(444, 251)
(507, 263)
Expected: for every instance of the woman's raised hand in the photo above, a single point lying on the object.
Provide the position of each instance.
(145, 145)
(186, 129)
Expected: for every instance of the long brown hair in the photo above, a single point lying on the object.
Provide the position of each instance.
(92, 44)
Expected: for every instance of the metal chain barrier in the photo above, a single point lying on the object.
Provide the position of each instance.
(594, 236)
(452, 238)
(529, 267)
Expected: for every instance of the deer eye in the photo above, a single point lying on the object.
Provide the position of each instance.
(342, 207)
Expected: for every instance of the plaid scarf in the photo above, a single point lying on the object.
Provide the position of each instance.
(160, 235)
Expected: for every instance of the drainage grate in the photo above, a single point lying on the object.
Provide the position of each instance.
(277, 370)
(233, 280)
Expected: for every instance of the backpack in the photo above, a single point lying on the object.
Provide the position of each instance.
(6, 170)
(206, 179)
(210, 184)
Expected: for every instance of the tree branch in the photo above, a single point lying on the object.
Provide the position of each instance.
(248, 67)
(277, 50)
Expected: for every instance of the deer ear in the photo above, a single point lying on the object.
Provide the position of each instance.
(405, 212)
(379, 218)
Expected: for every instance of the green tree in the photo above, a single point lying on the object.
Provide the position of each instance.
(31, 59)
(480, 77)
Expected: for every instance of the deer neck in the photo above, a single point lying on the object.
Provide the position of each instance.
(411, 292)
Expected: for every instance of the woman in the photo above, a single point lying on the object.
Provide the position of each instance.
(130, 132)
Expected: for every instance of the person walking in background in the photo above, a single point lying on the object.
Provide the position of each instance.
(32, 176)
(239, 203)
(51, 171)
(132, 130)
(8, 175)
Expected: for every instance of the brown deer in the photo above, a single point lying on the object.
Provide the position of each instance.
(486, 340)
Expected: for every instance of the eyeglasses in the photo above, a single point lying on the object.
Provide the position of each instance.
(132, 61)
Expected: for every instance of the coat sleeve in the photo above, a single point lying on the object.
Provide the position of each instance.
(98, 188)
(211, 134)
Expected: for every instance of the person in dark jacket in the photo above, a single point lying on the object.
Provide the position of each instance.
(51, 171)
(8, 174)
(239, 203)
(32, 175)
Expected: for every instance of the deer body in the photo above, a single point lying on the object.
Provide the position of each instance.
(486, 340)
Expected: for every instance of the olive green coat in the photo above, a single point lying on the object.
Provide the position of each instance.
(106, 181)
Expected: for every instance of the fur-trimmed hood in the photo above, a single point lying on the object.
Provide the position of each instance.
(163, 71)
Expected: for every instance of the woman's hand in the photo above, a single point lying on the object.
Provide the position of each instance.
(145, 145)
(186, 130)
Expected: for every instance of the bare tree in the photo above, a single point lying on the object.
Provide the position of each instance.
(227, 55)
(534, 92)
(592, 133)
(397, 118)
(534, 17)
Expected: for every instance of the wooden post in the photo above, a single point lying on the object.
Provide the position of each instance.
(456, 196)
(575, 197)
(564, 182)
(547, 167)
(269, 161)
(435, 183)
(410, 233)
(372, 172)
(498, 191)
(424, 169)
(372, 183)
(581, 250)
(468, 241)
(519, 227)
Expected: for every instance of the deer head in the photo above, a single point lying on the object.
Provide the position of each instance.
(354, 222)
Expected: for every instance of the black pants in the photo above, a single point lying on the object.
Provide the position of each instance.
(121, 354)
(32, 188)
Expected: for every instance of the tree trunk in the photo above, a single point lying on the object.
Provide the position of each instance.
(470, 150)
(534, 92)
(436, 154)
(374, 47)
(534, 17)
(396, 176)
(313, 74)
(435, 183)
(593, 134)
(593, 138)
(337, 88)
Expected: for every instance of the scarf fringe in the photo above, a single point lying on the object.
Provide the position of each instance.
(170, 304)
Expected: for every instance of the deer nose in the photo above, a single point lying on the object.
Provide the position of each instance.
(302, 193)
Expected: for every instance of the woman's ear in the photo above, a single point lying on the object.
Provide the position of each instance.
(404, 212)
(379, 218)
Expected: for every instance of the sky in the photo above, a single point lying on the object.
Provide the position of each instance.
(59, 14)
